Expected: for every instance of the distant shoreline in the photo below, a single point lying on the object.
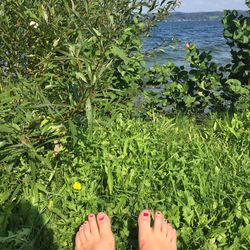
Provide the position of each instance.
(195, 12)
(199, 16)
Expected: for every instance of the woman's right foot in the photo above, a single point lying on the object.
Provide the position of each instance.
(161, 236)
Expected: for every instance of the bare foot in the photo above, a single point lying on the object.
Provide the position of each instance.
(161, 236)
(95, 237)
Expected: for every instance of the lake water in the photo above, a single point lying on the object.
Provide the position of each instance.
(171, 36)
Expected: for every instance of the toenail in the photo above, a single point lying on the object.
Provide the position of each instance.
(145, 214)
(158, 213)
(165, 221)
(101, 217)
(91, 215)
(85, 223)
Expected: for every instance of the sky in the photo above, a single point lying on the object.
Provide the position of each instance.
(210, 5)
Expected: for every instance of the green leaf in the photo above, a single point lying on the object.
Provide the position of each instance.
(59, 213)
(79, 75)
(153, 6)
(73, 131)
(119, 52)
(89, 113)
(6, 129)
(3, 143)
(110, 179)
(44, 14)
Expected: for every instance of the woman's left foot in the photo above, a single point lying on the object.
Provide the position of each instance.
(94, 235)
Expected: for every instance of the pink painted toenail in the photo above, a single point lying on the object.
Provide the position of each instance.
(102, 217)
(145, 214)
(85, 223)
(158, 213)
(165, 221)
(91, 215)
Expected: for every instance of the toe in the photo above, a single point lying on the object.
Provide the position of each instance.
(78, 243)
(104, 225)
(86, 230)
(80, 239)
(173, 239)
(164, 227)
(169, 230)
(144, 228)
(158, 221)
(173, 235)
(93, 225)
(144, 222)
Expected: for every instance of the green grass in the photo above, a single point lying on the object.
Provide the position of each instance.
(196, 174)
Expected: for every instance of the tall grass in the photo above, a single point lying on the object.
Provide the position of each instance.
(196, 174)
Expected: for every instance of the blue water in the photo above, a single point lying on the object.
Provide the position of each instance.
(171, 36)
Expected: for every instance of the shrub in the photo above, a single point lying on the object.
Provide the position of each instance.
(237, 33)
(206, 87)
(62, 61)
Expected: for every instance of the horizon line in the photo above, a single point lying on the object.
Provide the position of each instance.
(206, 11)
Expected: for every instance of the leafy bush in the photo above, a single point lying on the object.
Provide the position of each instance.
(62, 61)
(74, 50)
(206, 87)
(237, 33)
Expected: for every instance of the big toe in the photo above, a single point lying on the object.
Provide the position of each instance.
(144, 222)
(104, 225)
(144, 228)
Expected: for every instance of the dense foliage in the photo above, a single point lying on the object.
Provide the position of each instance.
(195, 174)
(237, 32)
(80, 132)
(206, 86)
(61, 62)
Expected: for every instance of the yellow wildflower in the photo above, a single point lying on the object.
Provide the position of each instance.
(77, 185)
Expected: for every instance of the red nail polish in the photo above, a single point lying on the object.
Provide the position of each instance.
(102, 217)
(158, 213)
(145, 214)
(91, 215)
